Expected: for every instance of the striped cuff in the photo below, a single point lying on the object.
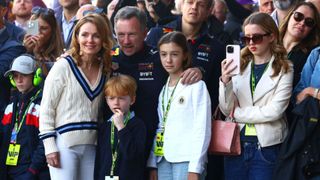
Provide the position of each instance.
(50, 145)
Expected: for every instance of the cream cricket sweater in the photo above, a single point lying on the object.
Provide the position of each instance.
(70, 106)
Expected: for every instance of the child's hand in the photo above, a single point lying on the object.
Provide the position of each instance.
(117, 119)
(193, 176)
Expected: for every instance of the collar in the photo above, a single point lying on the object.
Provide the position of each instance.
(64, 20)
(177, 25)
(139, 55)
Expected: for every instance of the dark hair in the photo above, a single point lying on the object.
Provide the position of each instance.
(313, 38)
(179, 39)
(54, 47)
(129, 12)
(268, 25)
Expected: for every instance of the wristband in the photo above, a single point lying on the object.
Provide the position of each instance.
(315, 92)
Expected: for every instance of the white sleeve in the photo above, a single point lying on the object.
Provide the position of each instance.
(54, 86)
(201, 130)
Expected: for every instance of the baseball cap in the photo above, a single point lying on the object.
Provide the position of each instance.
(3, 3)
(24, 64)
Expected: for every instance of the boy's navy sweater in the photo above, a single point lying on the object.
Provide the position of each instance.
(31, 157)
(130, 163)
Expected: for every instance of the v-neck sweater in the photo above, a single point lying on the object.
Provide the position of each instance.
(70, 106)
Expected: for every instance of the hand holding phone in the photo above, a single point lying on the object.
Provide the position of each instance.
(233, 55)
(33, 27)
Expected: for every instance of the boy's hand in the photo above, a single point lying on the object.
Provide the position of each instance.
(193, 176)
(118, 119)
(153, 174)
(53, 159)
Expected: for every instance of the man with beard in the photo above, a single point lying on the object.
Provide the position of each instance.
(282, 8)
(22, 11)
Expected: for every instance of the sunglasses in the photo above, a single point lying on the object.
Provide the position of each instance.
(256, 38)
(39, 10)
(96, 11)
(298, 16)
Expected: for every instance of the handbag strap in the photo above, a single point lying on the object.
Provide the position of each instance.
(231, 115)
(217, 113)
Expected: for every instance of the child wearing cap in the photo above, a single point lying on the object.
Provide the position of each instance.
(21, 152)
(121, 139)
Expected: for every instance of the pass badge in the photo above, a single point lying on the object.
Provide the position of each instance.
(158, 148)
(250, 130)
(13, 154)
(112, 178)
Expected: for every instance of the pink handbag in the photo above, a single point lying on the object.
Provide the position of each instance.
(225, 135)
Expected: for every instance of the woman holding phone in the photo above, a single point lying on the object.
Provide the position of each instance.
(259, 95)
(46, 45)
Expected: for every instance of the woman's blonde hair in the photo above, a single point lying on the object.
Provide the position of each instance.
(268, 25)
(103, 30)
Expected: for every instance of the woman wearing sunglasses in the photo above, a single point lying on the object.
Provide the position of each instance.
(259, 96)
(47, 45)
(300, 34)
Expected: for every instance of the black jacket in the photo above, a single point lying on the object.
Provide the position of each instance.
(31, 157)
(130, 163)
(299, 156)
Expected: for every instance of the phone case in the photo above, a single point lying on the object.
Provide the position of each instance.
(235, 55)
(33, 27)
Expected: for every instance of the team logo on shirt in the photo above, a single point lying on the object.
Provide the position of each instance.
(181, 100)
(115, 52)
(167, 30)
(203, 52)
(145, 66)
(146, 71)
(115, 66)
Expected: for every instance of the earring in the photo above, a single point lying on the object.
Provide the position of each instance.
(81, 53)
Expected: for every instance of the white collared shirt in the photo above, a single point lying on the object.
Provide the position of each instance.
(67, 27)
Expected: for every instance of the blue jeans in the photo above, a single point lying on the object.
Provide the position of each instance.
(254, 163)
(174, 171)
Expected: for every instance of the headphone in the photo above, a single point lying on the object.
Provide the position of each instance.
(37, 77)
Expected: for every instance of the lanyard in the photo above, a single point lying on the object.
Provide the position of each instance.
(253, 79)
(166, 110)
(17, 124)
(114, 150)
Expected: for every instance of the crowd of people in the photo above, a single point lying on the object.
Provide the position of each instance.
(126, 89)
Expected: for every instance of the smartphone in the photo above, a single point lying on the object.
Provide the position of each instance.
(233, 53)
(33, 27)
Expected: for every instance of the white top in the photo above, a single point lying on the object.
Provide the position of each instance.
(70, 106)
(266, 109)
(187, 128)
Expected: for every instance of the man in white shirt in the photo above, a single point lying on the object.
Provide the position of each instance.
(22, 11)
(67, 19)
